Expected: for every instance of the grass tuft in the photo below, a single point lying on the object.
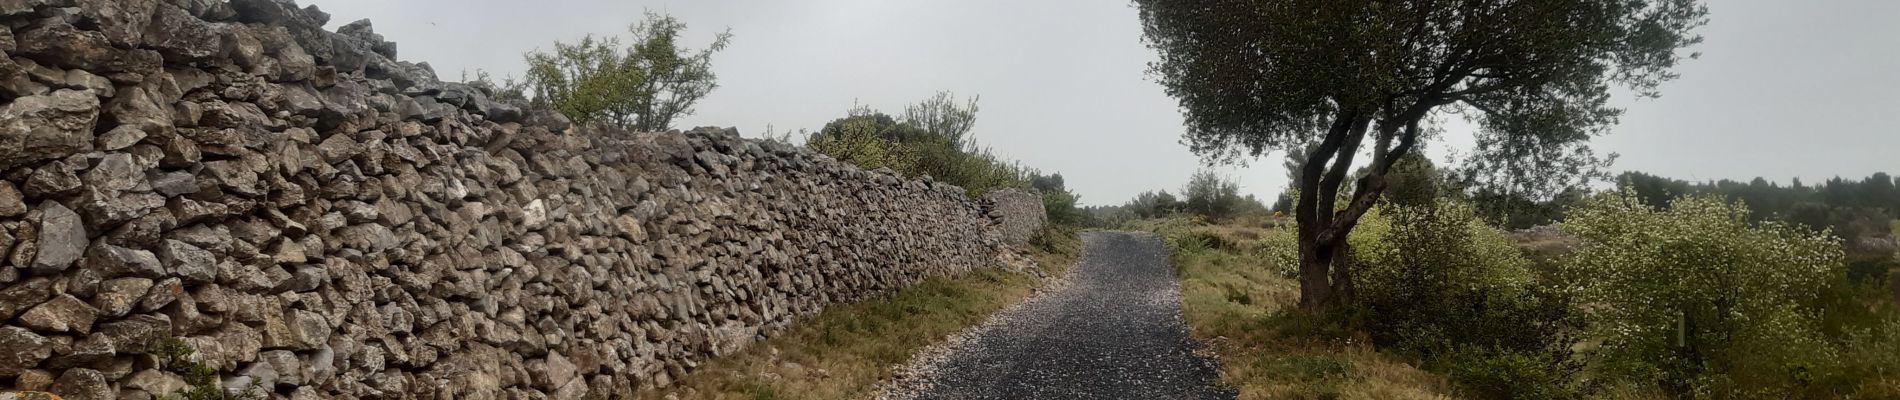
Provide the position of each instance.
(1244, 310)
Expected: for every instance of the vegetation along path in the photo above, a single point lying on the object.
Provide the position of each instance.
(1112, 331)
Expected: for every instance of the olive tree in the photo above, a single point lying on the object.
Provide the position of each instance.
(1347, 76)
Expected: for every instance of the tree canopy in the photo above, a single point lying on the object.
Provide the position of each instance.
(641, 84)
(1253, 77)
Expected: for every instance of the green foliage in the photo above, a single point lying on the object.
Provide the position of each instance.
(933, 139)
(1413, 181)
(1258, 76)
(1284, 250)
(1058, 239)
(940, 116)
(641, 84)
(1871, 362)
(1154, 204)
(1312, 366)
(1698, 298)
(862, 139)
(1502, 374)
(1059, 204)
(1212, 196)
(1533, 69)
(1207, 195)
(1438, 283)
(175, 356)
(1855, 210)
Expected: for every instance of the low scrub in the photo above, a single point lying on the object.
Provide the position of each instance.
(933, 138)
(1700, 302)
(1238, 304)
(1692, 300)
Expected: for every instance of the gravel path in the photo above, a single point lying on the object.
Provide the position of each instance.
(1113, 330)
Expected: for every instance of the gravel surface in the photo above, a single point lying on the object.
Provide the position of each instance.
(1111, 330)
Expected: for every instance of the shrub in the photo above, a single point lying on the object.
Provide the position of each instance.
(1698, 298)
(861, 139)
(175, 356)
(1436, 282)
(641, 84)
(1503, 374)
(1212, 196)
(933, 139)
(1283, 248)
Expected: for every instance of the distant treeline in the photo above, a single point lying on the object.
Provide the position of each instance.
(1207, 195)
(1853, 208)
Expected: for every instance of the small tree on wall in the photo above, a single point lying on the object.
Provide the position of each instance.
(1262, 75)
(641, 84)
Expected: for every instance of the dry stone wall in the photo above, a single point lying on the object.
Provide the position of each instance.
(321, 220)
(1019, 213)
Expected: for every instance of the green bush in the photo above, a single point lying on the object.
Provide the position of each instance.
(1504, 374)
(1434, 281)
(175, 356)
(1699, 299)
(933, 139)
(1283, 248)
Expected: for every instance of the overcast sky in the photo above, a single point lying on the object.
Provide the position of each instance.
(1783, 89)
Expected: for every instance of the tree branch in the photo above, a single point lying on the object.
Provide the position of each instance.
(1305, 209)
(1371, 186)
(1336, 175)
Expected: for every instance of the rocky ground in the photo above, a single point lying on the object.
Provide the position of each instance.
(1112, 330)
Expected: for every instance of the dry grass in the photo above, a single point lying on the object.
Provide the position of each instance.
(843, 352)
(1239, 306)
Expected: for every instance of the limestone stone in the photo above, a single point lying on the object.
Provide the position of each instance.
(121, 21)
(116, 297)
(47, 126)
(178, 35)
(139, 108)
(288, 368)
(162, 294)
(62, 238)
(11, 204)
(53, 180)
(155, 381)
(21, 349)
(21, 295)
(189, 262)
(81, 80)
(65, 46)
(91, 351)
(137, 333)
(175, 183)
(38, 380)
(83, 384)
(115, 172)
(63, 313)
(120, 138)
(113, 261)
(298, 329)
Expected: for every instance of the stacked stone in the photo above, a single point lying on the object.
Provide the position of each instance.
(320, 220)
(1019, 213)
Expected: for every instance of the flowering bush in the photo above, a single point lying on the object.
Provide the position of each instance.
(1699, 297)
